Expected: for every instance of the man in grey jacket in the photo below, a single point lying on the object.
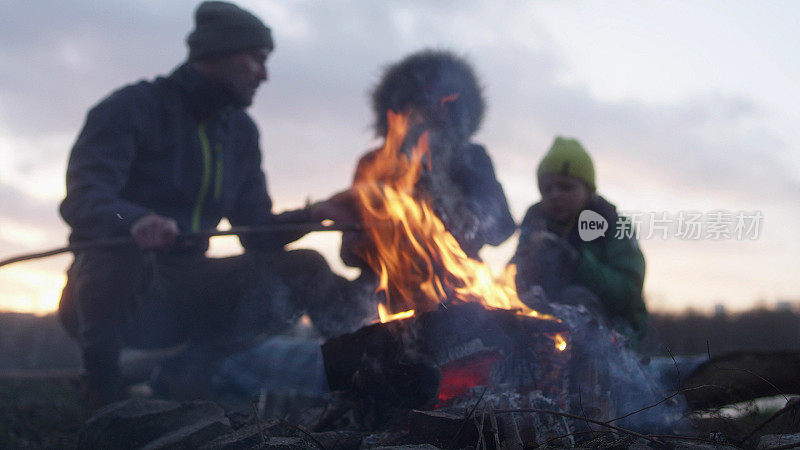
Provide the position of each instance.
(174, 155)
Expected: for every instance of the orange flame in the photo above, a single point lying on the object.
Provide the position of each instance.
(386, 316)
(419, 263)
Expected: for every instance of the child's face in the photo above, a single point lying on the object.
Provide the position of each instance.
(563, 197)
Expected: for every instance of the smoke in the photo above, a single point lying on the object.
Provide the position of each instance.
(607, 376)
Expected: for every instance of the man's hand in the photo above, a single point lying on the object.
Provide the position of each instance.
(154, 232)
(341, 208)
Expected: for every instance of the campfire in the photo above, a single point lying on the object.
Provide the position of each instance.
(457, 359)
(421, 266)
(447, 323)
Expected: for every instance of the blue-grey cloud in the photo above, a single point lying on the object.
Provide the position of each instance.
(61, 57)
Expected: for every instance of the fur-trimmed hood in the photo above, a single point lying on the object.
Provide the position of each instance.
(422, 81)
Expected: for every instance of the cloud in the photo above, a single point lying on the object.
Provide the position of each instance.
(27, 223)
(23, 208)
(60, 57)
(328, 56)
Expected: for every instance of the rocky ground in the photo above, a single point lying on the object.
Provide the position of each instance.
(40, 408)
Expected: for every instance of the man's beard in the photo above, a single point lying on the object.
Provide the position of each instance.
(241, 99)
(238, 98)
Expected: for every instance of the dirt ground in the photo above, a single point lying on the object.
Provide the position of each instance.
(46, 412)
(40, 412)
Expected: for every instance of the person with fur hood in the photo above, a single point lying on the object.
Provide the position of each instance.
(443, 94)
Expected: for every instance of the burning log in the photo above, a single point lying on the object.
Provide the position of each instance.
(412, 362)
(461, 327)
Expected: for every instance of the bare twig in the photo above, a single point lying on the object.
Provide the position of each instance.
(481, 441)
(258, 422)
(663, 400)
(471, 412)
(495, 430)
(791, 404)
(583, 410)
(570, 434)
(572, 416)
(777, 390)
(300, 429)
(628, 414)
(517, 437)
(678, 387)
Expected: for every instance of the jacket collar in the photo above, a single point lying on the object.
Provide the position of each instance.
(203, 98)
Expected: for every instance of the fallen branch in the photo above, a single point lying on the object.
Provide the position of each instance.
(469, 414)
(789, 406)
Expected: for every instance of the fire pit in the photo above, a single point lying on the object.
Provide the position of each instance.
(427, 360)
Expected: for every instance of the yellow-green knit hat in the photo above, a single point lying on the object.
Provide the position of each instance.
(568, 157)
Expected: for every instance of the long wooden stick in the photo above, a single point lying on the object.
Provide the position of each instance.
(184, 237)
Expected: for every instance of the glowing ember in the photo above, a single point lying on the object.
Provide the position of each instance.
(388, 317)
(420, 264)
(561, 343)
(448, 99)
(459, 377)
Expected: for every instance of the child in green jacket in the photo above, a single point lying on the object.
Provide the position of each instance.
(559, 247)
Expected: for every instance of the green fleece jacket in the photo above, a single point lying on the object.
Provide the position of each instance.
(611, 266)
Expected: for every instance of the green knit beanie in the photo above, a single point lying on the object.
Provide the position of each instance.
(568, 157)
(222, 27)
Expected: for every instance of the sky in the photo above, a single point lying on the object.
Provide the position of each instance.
(685, 106)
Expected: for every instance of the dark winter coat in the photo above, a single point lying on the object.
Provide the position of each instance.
(611, 266)
(174, 147)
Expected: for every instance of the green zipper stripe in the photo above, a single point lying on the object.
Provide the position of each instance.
(220, 168)
(201, 196)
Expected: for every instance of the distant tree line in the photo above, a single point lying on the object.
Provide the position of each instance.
(32, 342)
(28, 341)
(691, 332)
